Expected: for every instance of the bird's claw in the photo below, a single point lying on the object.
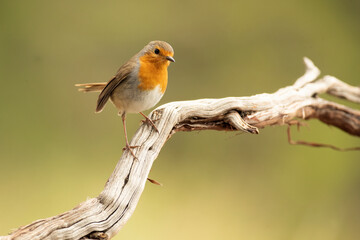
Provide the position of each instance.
(128, 147)
(148, 121)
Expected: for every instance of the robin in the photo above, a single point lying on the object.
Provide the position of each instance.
(138, 85)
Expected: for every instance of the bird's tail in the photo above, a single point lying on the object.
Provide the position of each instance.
(91, 87)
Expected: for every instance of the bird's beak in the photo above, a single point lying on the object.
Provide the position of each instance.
(171, 59)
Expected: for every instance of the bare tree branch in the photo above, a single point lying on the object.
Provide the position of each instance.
(102, 217)
(312, 144)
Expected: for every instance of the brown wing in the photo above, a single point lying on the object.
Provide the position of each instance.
(120, 76)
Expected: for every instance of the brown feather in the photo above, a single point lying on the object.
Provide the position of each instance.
(91, 87)
(120, 76)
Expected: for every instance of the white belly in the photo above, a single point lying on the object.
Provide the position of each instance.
(136, 100)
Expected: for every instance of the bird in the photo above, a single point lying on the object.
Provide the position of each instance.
(138, 85)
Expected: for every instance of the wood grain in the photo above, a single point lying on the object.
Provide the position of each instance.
(103, 217)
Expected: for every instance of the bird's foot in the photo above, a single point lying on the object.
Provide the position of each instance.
(128, 147)
(149, 121)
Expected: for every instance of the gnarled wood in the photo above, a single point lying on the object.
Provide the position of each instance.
(102, 217)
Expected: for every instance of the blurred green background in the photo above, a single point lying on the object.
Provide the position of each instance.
(55, 151)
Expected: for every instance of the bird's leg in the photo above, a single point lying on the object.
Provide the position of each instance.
(128, 147)
(148, 120)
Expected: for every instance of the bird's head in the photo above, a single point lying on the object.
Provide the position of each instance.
(159, 52)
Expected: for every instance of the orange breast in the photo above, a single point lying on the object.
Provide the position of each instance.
(153, 73)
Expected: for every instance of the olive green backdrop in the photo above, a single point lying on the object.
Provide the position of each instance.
(55, 151)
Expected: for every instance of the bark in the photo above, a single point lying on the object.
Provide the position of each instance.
(102, 217)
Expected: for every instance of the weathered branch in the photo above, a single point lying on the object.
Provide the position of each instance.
(102, 217)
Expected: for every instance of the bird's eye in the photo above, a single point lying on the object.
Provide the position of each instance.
(157, 51)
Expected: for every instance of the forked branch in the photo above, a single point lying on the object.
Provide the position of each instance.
(102, 217)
